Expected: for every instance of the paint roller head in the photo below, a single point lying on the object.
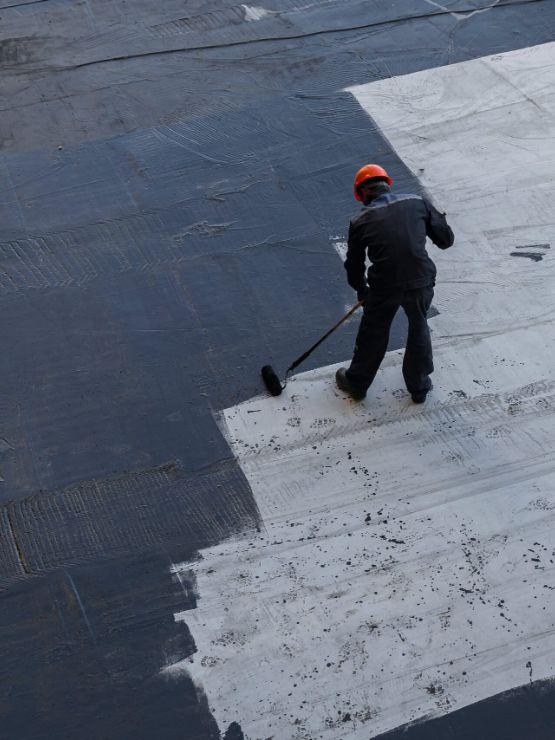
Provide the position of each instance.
(271, 380)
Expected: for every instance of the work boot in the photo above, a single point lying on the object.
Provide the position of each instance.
(420, 397)
(343, 384)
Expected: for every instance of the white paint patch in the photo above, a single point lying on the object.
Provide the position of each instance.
(406, 566)
(340, 246)
(462, 15)
(253, 13)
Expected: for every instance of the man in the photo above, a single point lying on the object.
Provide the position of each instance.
(391, 230)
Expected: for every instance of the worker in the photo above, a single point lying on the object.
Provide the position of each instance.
(391, 231)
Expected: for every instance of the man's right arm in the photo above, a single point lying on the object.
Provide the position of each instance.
(355, 263)
(437, 228)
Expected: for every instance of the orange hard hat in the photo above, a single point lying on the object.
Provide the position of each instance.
(368, 172)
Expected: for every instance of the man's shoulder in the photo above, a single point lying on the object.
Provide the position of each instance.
(392, 198)
(383, 201)
(357, 218)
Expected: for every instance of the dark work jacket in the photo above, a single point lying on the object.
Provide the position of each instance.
(392, 231)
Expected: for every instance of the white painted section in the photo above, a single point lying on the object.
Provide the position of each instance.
(406, 565)
(253, 13)
(480, 137)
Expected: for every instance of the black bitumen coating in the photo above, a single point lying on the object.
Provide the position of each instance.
(170, 179)
(82, 649)
(525, 712)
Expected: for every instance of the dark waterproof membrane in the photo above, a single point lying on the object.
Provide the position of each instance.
(173, 177)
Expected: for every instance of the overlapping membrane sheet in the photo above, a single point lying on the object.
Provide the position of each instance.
(406, 562)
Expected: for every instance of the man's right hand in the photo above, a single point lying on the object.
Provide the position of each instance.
(363, 293)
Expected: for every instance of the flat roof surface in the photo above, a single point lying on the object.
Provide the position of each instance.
(182, 556)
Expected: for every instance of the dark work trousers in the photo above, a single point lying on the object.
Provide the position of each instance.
(373, 336)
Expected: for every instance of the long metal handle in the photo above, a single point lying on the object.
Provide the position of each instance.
(303, 357)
